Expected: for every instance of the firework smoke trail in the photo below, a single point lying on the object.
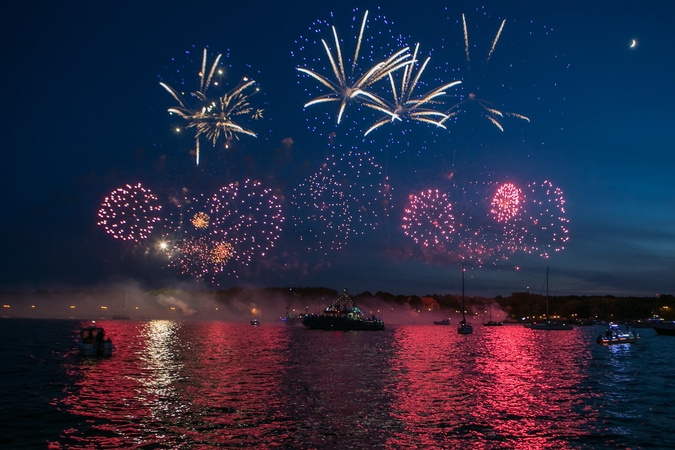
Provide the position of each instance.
(405, 106)
(347, 196)
(349, 88)
(214, 118)
(128, 213)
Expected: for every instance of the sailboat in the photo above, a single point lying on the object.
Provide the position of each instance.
(550, 325)
(464, 326)
(492, 323)
(122, 316)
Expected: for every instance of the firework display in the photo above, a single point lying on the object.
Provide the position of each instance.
(414, 108)
(347, 195)
(466, 224)
(428, 219)
(542, 223)
(493, 113)
(218, 233)
(128, 213)
(377, 79)
(506, 203)
(352, 85)
(214, 117)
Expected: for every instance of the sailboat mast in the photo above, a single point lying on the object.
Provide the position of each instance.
(547, 293)
(463, 314)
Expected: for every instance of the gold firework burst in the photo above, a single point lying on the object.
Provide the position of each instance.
(222, 253)
(200, 220)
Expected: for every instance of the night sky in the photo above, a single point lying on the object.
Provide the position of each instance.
(85, 114)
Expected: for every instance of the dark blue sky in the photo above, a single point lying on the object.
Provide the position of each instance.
(85, 114)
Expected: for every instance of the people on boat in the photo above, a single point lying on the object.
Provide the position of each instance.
(613, 334)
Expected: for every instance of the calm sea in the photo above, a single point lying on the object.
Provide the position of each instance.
(195, 384)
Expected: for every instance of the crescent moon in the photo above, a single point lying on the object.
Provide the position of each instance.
(633, 43)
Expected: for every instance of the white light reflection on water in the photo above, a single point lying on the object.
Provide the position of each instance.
(161, 365)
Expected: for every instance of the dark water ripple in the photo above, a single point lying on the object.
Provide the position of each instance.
(212, 384)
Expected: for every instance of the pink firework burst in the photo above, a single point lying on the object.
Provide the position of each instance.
(506, 203)
(542, 223)
(428, 219)
(128, 213)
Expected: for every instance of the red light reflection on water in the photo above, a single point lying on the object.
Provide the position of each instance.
(173, 382)
(503, 387)
(207, 384)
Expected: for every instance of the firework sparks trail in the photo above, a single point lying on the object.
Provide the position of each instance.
(214, 118)
(494, 43)
(466, 40)
(128, 213)
(492, 112)
(345, 88)
(224, 231)
(347, 196)
(542, 225)
(404, 105)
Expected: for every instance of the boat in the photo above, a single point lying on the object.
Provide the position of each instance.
(464, 327)
(92, 342)
(290, 319)
(122, 316)
(342, 315)
(442, 322)
(665, 328)
(614, 335)
(492, 323)
(648, 323)
(255, 322)
(550, 324)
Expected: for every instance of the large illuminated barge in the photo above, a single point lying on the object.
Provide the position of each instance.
(342, 315)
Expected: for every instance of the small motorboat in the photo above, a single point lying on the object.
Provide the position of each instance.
(255, 322)
(93, 342)
(442, 322)
(614, 335)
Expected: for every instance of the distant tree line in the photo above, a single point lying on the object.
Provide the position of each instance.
(517, 306)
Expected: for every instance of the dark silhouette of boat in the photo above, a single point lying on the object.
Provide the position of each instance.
(93, 342)
(442, 322)
(492, 323)
(665, 328)
(550, 324)
(342, 315)
(122, 316)
(464, 327)
(292, 319)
